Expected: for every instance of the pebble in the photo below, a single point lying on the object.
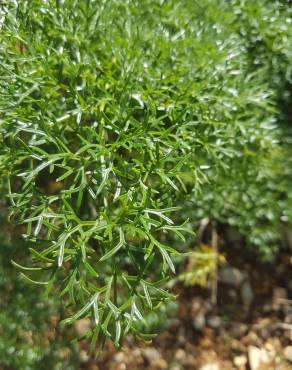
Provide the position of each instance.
(199, 321)
(288, 353)
(247, 294)
(238, 329)
(265, 327)
(196, 306)
(82, 326)
(175, 367)
(151, 354)
(257, 357)
(279, 294)
(240, 361)
(232, 294)
(181, 337)
(231, 275)
(83, 356)
(93, 367)
(214, 322)
(211, 366)
(179, 355)
(120, 357)
(159, 364)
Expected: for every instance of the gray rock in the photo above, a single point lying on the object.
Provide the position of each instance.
(238, 330)
(214, 322)
(199, 321)
(231, 275)
(181, 336)
(247, 294)
(151, 354)
(232, 294)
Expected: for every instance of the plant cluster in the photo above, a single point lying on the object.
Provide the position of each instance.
(28, 339)
(123, 123)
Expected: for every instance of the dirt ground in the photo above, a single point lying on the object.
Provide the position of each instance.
(250, 327)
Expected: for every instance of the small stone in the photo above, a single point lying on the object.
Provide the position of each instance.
(237, 345)
(247, 294)
(238, 330)
(199, 321)
(252, 338)
(231, 275)
(271, 351)
(254, 356)
(136, 352)
(240, 361)
(151, 354)
(83, 356)
(93, 367)
(232, 294)
(121, 366)
(82, 326)
(181, 337)
(120, 357)
(211, 366)
(214, 322)
(180, 355)
(288, 353)
(196, 305)
(206, 341)
(279, 294)
(257, 357)
(64, 353)
(159, 364)
(175, 367)
(264, 327)
(54, 319)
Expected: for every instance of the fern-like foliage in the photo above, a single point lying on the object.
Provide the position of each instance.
(120, 120)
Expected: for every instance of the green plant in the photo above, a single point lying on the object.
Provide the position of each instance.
(202, 266)
(123, 124)
(28, 339)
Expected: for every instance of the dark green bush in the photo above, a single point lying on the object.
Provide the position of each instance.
(123, 124)
(28, 339)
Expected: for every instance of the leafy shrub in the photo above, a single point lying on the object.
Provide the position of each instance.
(254, 195)
(126, 122)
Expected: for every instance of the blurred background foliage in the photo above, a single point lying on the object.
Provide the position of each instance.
(219, 72)
(29, 336)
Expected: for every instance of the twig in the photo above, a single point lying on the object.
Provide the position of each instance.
(214, 244)
(202, 227)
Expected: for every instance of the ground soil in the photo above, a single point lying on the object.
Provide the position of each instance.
(228, 335)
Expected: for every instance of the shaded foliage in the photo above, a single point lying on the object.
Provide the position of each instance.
(28, 339)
